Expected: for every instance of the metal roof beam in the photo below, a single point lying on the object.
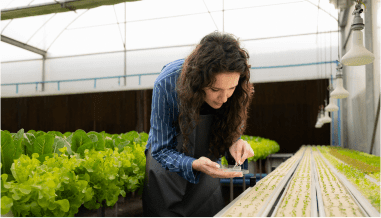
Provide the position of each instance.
(55, 7)
(23, 45)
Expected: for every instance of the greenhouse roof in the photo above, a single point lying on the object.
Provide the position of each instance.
(275, 33)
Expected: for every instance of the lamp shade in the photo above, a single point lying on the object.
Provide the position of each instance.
(326, 118)
(358, 54)
(331, 106)
(319, 123)
(339, 92)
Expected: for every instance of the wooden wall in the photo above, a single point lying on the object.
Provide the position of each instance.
(285, 112)
(112, 112)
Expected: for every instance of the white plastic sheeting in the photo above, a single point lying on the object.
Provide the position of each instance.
(141, 37)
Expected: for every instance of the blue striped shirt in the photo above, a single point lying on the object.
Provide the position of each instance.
(162, 135)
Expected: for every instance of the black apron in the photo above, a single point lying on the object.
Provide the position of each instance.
(167, 194)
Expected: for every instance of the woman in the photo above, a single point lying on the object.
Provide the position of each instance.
(199, 112)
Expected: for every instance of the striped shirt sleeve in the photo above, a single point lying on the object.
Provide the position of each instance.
(163, 140)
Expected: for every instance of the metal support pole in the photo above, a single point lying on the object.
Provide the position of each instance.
(243, 183)
(255, 173)
(369, 76)
(43, 74)
(342, 116)
(369, 85)
(260, 169)
(332, 116)
(231, 189)
(270, 163)
(375, 125)
(125, 45)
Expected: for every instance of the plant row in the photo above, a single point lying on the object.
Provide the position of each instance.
(252, 203)
(367, 163)
(358, 155)
(336, 200)
(53, 174)
(368, 189)
(296, 201)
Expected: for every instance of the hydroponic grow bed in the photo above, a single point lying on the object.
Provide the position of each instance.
(308, 184)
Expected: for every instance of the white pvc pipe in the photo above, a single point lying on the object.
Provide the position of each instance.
(56, 92)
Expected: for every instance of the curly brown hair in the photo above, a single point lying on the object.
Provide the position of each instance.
(216, 53)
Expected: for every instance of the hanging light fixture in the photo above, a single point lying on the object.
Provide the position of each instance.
(339, 92)
(326, 118)
(358, 54)
(318, 124)
(317, 120)
(331, 107)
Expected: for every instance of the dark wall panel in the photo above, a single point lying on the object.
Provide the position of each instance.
(112, 112)
(286, 112)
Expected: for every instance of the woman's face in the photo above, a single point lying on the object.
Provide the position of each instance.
(222, 89)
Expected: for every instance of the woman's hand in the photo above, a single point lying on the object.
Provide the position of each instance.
(241, 150)
(211, 168)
